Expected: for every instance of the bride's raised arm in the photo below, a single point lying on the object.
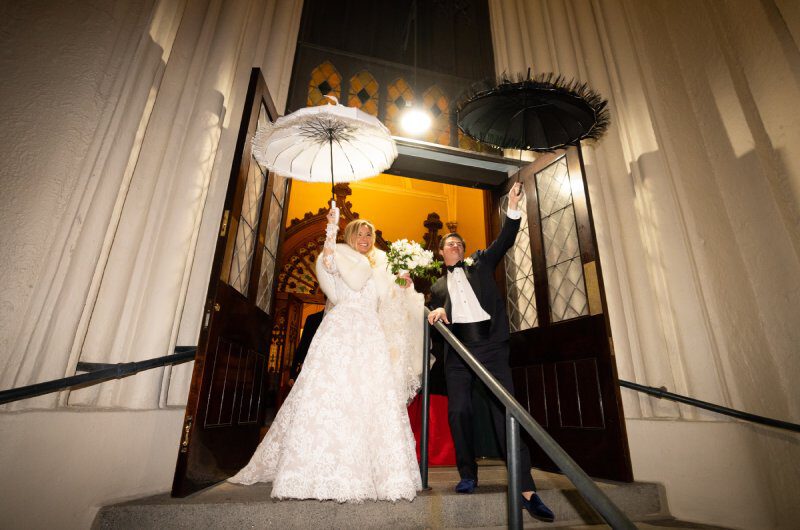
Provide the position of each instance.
(331, 229)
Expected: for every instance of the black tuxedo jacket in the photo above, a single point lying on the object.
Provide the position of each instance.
(481, 278)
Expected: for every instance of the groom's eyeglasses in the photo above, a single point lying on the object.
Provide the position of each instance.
(454, 244)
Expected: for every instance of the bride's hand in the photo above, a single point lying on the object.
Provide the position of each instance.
(333, 216)
(407, 277)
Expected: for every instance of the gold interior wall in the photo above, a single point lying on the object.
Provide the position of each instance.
(399, 205)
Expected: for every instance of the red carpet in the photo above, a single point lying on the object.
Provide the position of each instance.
(440, 442)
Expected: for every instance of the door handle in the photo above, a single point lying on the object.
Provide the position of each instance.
(187, 428)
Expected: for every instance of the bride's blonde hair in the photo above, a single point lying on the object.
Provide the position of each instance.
(351, 231)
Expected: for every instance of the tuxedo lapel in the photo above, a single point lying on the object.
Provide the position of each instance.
(441, 287)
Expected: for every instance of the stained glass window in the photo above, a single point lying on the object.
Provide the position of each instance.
(325, 80)
(363, 93)
(465, 142)
(399, 95)
(298, 275)
(435, 102)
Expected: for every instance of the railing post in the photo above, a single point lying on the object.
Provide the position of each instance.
(426, 398)
(514, 478)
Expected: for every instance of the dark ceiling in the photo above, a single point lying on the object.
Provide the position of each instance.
(454, 36)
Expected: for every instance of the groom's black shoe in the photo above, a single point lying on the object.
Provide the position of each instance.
(538, 509)
(466, 485)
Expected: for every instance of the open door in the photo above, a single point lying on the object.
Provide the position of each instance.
(231, 391)
(562, 354)
(285, 336)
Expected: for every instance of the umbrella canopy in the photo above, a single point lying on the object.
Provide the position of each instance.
(540, 114)
(328, 143)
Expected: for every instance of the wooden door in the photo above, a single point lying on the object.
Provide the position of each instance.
(285, 337)
(562, 354)
(231, 390)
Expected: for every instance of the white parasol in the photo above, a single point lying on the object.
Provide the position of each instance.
(329, 142)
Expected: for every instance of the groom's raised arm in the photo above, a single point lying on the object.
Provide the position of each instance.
(505, 240)
(508, 234)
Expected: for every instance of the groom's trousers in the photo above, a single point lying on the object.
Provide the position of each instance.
(460, 378)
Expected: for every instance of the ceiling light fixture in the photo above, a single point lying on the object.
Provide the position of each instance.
(415, 120)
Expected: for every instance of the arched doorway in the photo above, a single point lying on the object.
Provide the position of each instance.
(297, 290)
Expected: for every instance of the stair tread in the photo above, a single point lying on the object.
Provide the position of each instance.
(228, 505)
(655, 524)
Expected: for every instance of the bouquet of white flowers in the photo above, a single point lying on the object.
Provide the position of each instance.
(409, 256)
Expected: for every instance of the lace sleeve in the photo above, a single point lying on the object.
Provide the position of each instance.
(331, 229)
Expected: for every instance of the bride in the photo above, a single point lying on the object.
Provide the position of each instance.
(343, 431)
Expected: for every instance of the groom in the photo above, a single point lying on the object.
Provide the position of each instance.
(467, 298)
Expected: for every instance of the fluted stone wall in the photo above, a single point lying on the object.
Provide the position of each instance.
(696, 196)
(120, 123)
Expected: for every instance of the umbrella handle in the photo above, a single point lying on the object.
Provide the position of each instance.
(334, 208)
(333, 186)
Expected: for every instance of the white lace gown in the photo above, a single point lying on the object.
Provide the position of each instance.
(343, 432)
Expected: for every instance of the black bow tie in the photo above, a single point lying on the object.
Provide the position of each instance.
(451, 268)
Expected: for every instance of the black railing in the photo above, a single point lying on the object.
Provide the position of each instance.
(97, 373)
(719, 409)
(516, 415)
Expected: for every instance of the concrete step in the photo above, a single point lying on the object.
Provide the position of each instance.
(655, 524)
(234, 506)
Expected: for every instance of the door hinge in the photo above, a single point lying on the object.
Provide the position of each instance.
(223, 229)
(187, 428)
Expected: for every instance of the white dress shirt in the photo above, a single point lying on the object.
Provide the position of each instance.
(465, 307)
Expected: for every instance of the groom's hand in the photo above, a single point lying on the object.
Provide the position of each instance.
(436, 315)
(514, 195)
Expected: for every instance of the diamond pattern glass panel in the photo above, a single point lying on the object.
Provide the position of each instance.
(363, 93)
(521, 299)
(465, 142)
(397, 95)
(267, 273)
(239, 277)
(274, 226)
(263, 117)
(435, 101)
(279, 189)
(265, 282)
(567, 291)
(325, 79)
(560, 237)
(522, 304)
(552, 184)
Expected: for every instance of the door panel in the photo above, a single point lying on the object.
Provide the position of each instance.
(230, 392)
(562, 360)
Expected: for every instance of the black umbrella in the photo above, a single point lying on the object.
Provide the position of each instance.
(545, 113)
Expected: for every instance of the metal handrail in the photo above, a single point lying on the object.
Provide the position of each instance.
(719, 409)
(98, 372)
(516, 415)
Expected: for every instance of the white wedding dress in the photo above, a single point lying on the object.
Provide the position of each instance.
(343, 432)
